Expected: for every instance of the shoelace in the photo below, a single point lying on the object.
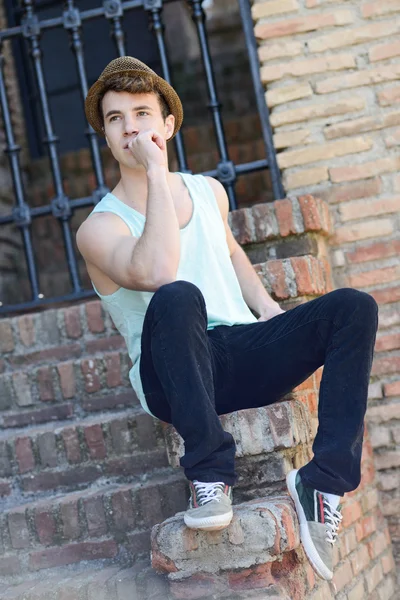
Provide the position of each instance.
(205, 492)
(333, 519)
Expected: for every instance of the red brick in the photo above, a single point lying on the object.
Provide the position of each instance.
(374, 251)
(258, 576)
(359, 559)
(386, 295)
(342, 576)
(284, 214)
(392, 389)
(384, 51)
(123, 514)
(95, 441)
(387, 563)
(378, 8)
(18, 529)
(10, 565)
(72, 553)
(365, 527)
(95, 516)
(26, 328)
(70, 518)
(107, 344)
(151, 505)
(56, 354)
(289, 527)
(194, 587)
(50, 480)
(277, 279)
(5, 488)
(387, 365)
(94, 316)
(377, 545)
(46, 443)
(24, 454)
(113, 370)
(6, 337)
(110, 401)
(121, 439)
(292, 26)
(265, 224)
(351, 513)
(45, 384)
(389, 96)
(375, 276)
(241, 223)
(67, 379)
(311, 216)
(303, 276)
(32, 417)
(45, 525)
(352, 191)
(72, 320)
(387, 342)
(71, 444)
(91, 375)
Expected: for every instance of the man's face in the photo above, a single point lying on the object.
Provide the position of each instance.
(125, 115)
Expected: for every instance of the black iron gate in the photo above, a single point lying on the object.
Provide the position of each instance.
(61, 207)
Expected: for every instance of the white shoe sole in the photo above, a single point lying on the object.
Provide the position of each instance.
(209, 523)
(312, 554)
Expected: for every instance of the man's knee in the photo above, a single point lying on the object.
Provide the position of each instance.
(179, 297)
(360, 305)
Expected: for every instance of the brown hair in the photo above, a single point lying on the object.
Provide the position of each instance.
(134, 85)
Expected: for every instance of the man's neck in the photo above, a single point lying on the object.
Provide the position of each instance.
(132, 187)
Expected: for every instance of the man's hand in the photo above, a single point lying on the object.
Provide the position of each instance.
(269, 312)
(148, 149)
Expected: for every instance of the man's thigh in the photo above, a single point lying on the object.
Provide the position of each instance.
(269, 358)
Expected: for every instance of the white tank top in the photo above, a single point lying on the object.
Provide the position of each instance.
(204, 261)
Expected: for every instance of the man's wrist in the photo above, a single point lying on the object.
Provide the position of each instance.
(155, 171)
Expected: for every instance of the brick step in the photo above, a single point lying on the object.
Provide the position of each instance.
(110, 522)
(139, 582)
(263, 535)
(270, 441)
(72, 454)
(46, 392)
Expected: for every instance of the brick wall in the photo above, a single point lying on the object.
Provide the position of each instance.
(330, 68)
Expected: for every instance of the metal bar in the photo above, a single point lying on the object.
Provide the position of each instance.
(60, 205)
(154, 7)
(86, 15)
(226, 171)
(72, 22)
(21, 213)
(113, 12)
(243, 169)
(251, 43)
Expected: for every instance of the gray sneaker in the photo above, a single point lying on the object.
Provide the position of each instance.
(210, 506)
(319, 524)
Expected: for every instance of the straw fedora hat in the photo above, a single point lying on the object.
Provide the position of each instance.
(127, 65)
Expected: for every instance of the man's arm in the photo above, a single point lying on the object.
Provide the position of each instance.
(254, 293)
(152, 260)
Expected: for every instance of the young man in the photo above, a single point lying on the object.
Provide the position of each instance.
(179, 288)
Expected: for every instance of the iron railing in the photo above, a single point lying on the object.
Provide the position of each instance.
(61, 207)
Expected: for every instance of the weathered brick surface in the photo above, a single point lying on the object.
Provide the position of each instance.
(253, 532)
(361, 188)
(256, 430)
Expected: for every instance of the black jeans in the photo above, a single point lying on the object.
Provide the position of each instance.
(190, 375)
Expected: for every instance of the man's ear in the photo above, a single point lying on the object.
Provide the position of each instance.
(106, 138)
(169, 126)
